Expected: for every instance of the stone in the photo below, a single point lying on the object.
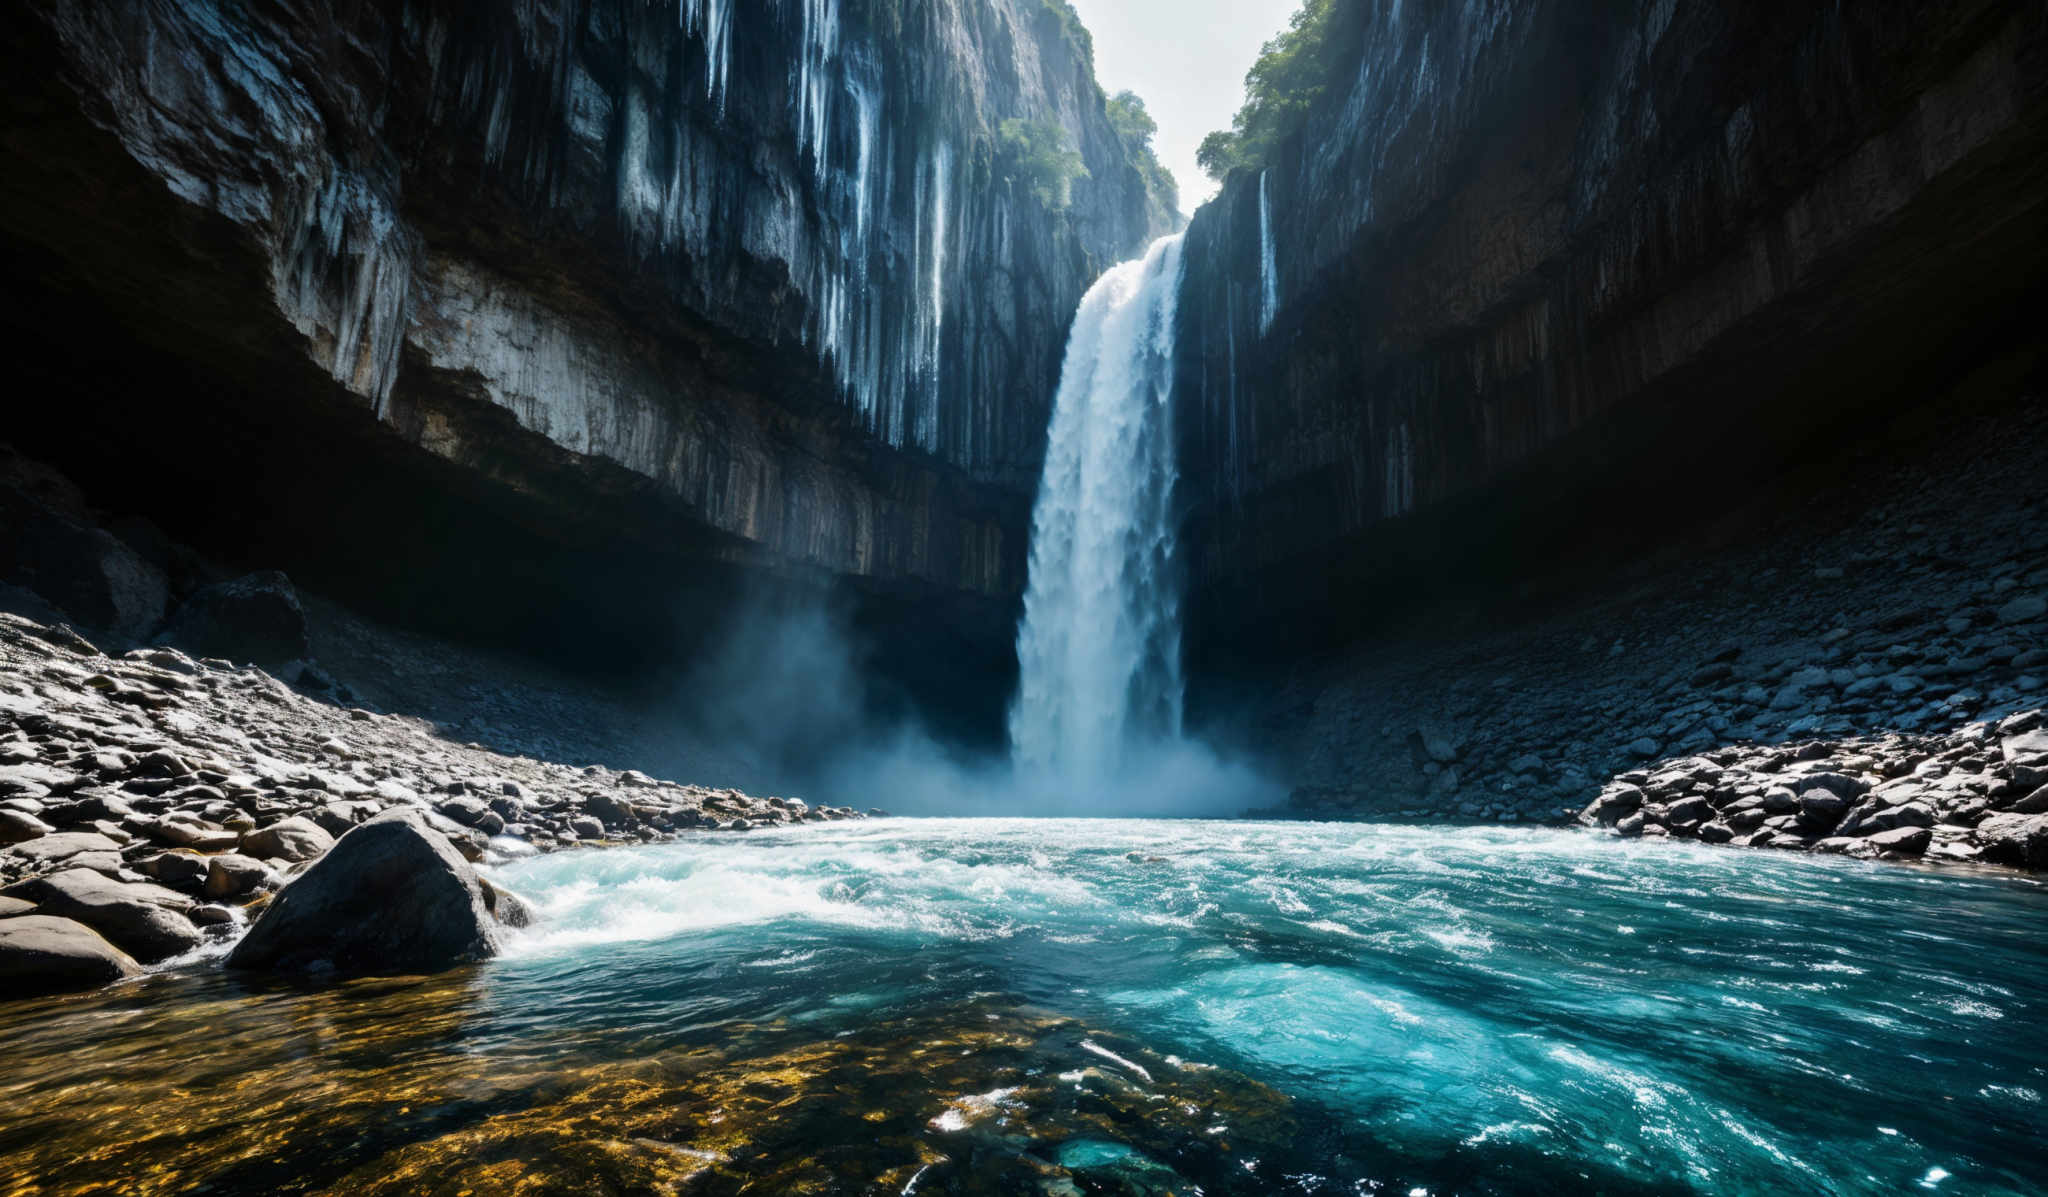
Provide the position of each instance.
(2014, 839)
(2024, 609)
(41, 954)
(191, 833)
(16, 827)
(10, 907)
(1644, 748)
(586, 827)
(508, 908)
(1717, 833)
(146, 921)
(1838, 784)
(611, 811)
(232, 876)
(64, 845)
(1906, 841)
(296, 838)
(254, 619)
(1614, 805)
(2034, 803)
(2025, 748)
(1689, 811)
(179, 867)
(392, 896)
(1821, 808)
(212, 914)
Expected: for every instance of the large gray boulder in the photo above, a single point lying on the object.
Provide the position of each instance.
(146, 921)
(393, 896)
(40, 955)
(255, 619)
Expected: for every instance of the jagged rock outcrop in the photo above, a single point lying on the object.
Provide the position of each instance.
(1538, 270)
(738, 281)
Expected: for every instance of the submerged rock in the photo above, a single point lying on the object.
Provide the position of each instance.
(40, 954)
(394, 896)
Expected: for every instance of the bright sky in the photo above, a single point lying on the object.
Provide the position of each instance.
(1187, 58)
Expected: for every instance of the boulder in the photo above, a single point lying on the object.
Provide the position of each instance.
(610, 811)
(254, 619)
(232, 875)
(1821, 808)
(2024, 609)
(296, 838)
(2033, 804)
(393, 896)
(63, 846)
(1688, 812)
(2013, 839)
(17, 827)
(40, 954)
(2026, 747)
(146, 921)
(178, 867)
(508, 908)
(1906, 841)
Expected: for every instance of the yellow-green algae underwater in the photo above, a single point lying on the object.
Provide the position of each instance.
(1067, 1007)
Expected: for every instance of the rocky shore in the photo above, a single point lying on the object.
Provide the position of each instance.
(152, 804)
(1880, 623)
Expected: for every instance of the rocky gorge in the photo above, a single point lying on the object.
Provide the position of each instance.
(1505, 653)
(156, 804)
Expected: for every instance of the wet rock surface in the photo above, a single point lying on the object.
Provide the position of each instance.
(41, 954)
(393, 896)
(154, 803)
(1859, 660)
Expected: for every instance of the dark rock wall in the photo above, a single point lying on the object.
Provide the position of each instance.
(734, 278)
(1547, 273)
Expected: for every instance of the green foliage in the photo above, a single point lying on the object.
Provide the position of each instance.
(1135, 128)
(1036, 157)
(1076, 32)
(1291, 74)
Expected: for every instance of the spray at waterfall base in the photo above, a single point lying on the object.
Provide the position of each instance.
(1096, 725)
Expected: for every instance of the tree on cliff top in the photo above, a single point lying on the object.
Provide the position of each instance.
(1292, 72)
(1135, 128)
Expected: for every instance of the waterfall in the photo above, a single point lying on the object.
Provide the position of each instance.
(1099, 646)
(1269, 269)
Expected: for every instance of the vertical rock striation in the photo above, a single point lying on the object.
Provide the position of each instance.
(759, 262)
(1630, 249)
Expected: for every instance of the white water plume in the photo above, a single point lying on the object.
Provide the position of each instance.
(1099, 646)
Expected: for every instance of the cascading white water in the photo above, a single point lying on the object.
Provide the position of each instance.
(1269, 267)
(1099, 646)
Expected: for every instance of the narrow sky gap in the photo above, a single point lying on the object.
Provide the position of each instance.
(1187, 58)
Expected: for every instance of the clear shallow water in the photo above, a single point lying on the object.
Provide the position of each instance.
(1017, 1006)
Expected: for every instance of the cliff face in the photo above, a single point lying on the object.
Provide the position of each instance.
(1536, 270)
(740, 278)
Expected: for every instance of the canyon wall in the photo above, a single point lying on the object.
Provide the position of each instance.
(1538, 274)
(735, 284)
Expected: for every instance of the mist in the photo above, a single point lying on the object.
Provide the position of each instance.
(793, 699)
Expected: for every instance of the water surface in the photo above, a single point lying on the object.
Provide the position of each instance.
(1066, 1007)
